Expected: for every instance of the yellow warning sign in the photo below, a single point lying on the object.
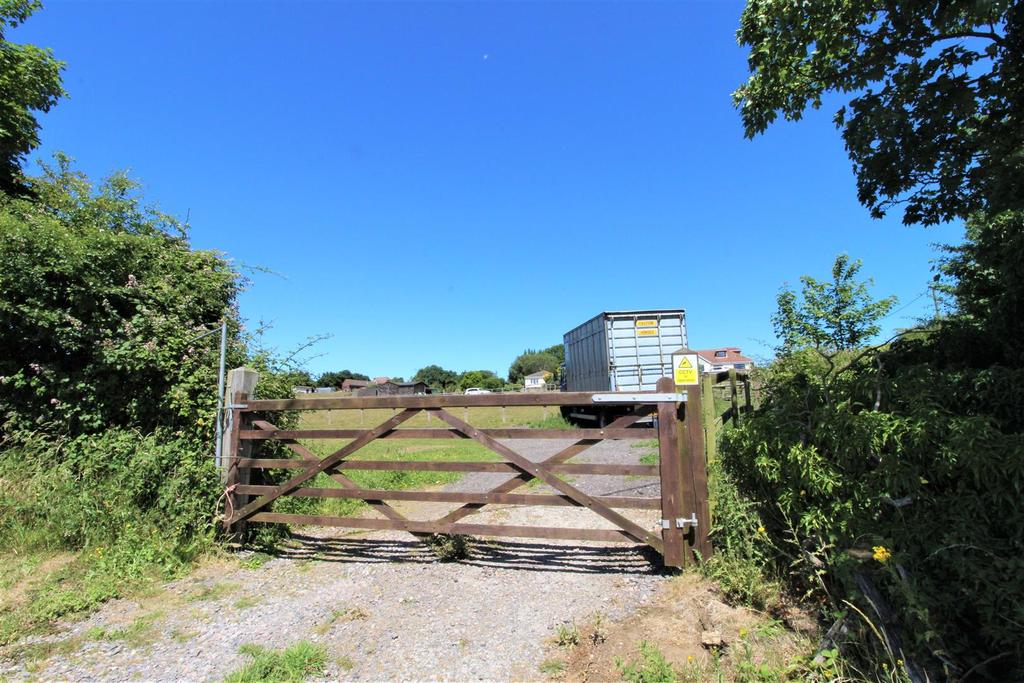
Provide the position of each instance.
(646, 323)
(647, 333)
(685, 369)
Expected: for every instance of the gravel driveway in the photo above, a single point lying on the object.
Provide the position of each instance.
(380, 602)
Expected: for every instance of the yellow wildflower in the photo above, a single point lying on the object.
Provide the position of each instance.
(760, 529)
(743, 633)
(881, 553)
(689, 659)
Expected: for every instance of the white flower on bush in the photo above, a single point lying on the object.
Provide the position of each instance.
(132, 281)
(35, 367)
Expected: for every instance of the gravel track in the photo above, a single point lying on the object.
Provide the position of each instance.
(380, 602)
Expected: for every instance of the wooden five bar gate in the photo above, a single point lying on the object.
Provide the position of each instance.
(671, 418)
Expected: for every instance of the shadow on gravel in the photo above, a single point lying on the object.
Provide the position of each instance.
(544, 557)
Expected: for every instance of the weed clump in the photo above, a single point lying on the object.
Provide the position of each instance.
(650, 667)
(299, 662)
(449, 547)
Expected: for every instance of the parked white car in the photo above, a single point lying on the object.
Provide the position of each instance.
(476, 390)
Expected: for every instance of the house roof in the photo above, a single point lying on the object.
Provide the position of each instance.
(535, 375)
(732, 355)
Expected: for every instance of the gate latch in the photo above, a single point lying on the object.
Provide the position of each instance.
(681, 522)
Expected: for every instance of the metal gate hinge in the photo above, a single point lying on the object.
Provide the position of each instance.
(681, 522)
(237, 406)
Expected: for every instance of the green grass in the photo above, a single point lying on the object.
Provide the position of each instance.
(139, 632)
(552, 667)
(297, 663)
(650, 667)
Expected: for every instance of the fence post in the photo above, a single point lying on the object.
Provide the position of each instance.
(734, 400)
(240, 385)
(695, 468)
(746, 394)
(670, 447)
(708, 417)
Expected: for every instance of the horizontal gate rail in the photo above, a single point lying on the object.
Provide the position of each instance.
(414, 433)
(442, 528)
(623, 502)
(453, 466)
(566, 398)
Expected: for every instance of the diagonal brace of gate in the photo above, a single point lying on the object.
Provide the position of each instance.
(321, 466)
(522, 479)
(541, 472)
(310, 457)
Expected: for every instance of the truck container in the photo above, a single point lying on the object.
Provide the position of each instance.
(621, 351)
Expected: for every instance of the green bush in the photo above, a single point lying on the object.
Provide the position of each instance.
(900, 474)
(107, 401)
(101, 298)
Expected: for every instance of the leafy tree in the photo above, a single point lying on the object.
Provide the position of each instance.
(934, 90)
(437, 378)
(484, 379)
(830, 316)
(336, 379)
(30, 82)
(531, 361)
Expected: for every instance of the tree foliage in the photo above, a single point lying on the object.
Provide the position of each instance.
(437, 378)
(531, 361)
(336, 379)
(482, 379)
(934, 92)
(30, 83)
(830, 316)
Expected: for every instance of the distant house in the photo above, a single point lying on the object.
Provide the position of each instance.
(536, 381)
(390, 388)
(302, 389)
(353, 384)
(724, 358)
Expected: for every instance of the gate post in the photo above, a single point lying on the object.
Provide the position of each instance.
(695, 468)
(241, 383)
(672, 490)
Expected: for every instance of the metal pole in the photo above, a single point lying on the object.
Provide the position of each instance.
(220, 392)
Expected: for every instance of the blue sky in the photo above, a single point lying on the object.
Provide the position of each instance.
(453, 183)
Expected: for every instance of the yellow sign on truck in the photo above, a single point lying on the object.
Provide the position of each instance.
(685, 369)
